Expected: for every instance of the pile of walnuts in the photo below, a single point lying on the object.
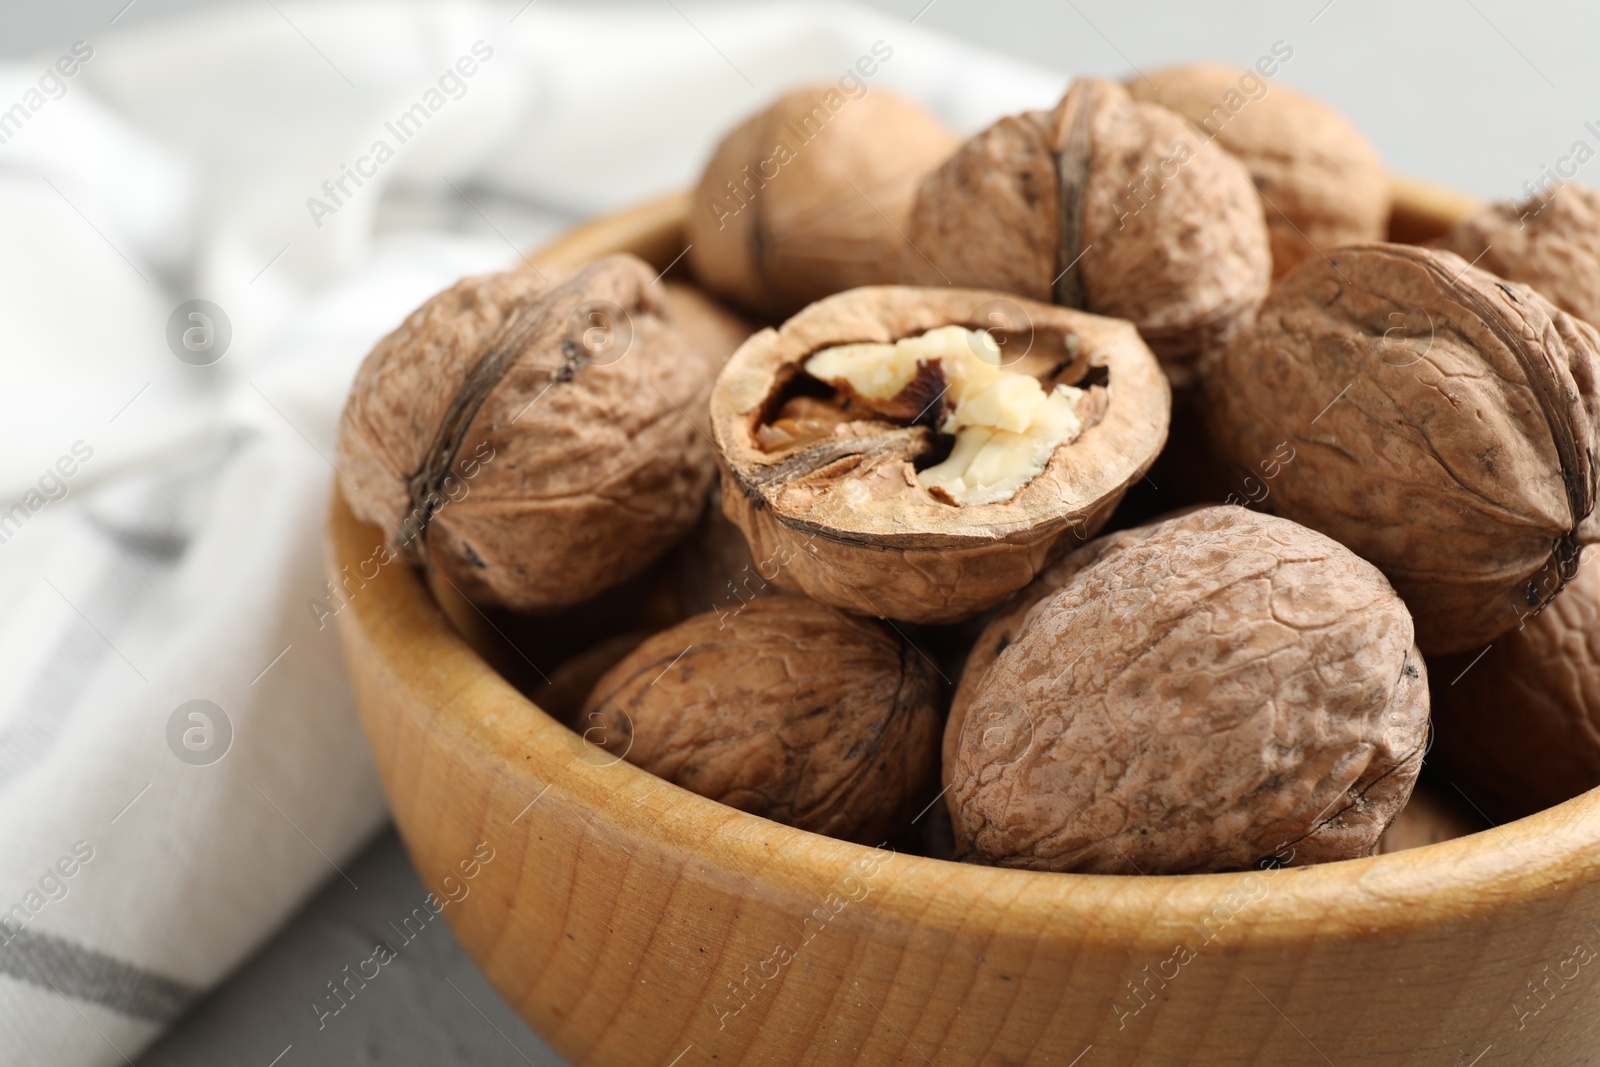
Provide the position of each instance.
(889, 560)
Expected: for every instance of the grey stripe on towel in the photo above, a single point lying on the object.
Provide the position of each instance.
(84, 974)
(142, 523)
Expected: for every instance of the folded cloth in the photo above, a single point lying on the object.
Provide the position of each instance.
(180, 764)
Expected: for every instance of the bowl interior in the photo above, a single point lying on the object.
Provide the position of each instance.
(623, 909)
(1465, 868)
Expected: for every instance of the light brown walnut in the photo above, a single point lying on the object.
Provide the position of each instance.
(1106, 204)
(530, 442)
(830, 492)
(1442, 423)
(1550, 242)
(1321, 182)
(1002, 629)
(1207, 693)
(714, 332)
(808, 197)
(790, 710)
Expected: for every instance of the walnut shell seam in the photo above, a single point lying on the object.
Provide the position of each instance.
(426, 484)
(1578, 466)
(1072, 169)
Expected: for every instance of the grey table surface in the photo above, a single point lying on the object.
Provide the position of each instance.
(429, 1006)
(1482, 94)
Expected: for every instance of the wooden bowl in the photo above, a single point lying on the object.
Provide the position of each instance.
(631, 922)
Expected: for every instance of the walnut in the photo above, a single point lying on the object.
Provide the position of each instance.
(789, 710)
(919, 504)
(1321, 182)
(1202, 694)
(808, 197)
(712, 331)
(1442, 424)
(531, 444)
(1518, 730)
(1005, 624)
(1427, 819)
(1187, 472)
(1106, 204)
(562, 693)
(712, 568)
(1550, 242)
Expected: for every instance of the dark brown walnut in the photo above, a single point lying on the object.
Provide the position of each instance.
(1187, 472)
(1519, 730)
(1428, 818)
(809, 196)
(529, 442)
(711, 569)
(1551, 242)
(1105, 204)
(1321, 182)
(931, 835)
(562, 693)
(789, 710)
(829, 494)
(1434, 418)
(1209, 692)
(717, 565)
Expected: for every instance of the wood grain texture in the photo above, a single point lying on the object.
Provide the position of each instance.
(633, 923)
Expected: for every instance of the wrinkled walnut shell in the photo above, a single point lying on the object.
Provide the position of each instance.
(1551, 243)
(1519, 730)
(1212, 691)
(820, 187)
(1002, 629)
(845, 521)
(1442, 424)
(1321, 182)
(1105, 204)
(523, 441)
(789, 710)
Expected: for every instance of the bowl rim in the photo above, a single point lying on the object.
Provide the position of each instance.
(1542, 857)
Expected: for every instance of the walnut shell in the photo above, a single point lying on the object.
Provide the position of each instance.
(1519, 729)
(1002, 629)
(790, 710)
(1549, 242)
(1106, 204)
(713, 332)
(562, 693)
(1321, 182)
(1442, 424)
(712, 568)
(844, 519)
(531, 443)
(1209, 692)
(808, 196)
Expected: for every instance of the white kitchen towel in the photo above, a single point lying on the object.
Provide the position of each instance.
(180, 764)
